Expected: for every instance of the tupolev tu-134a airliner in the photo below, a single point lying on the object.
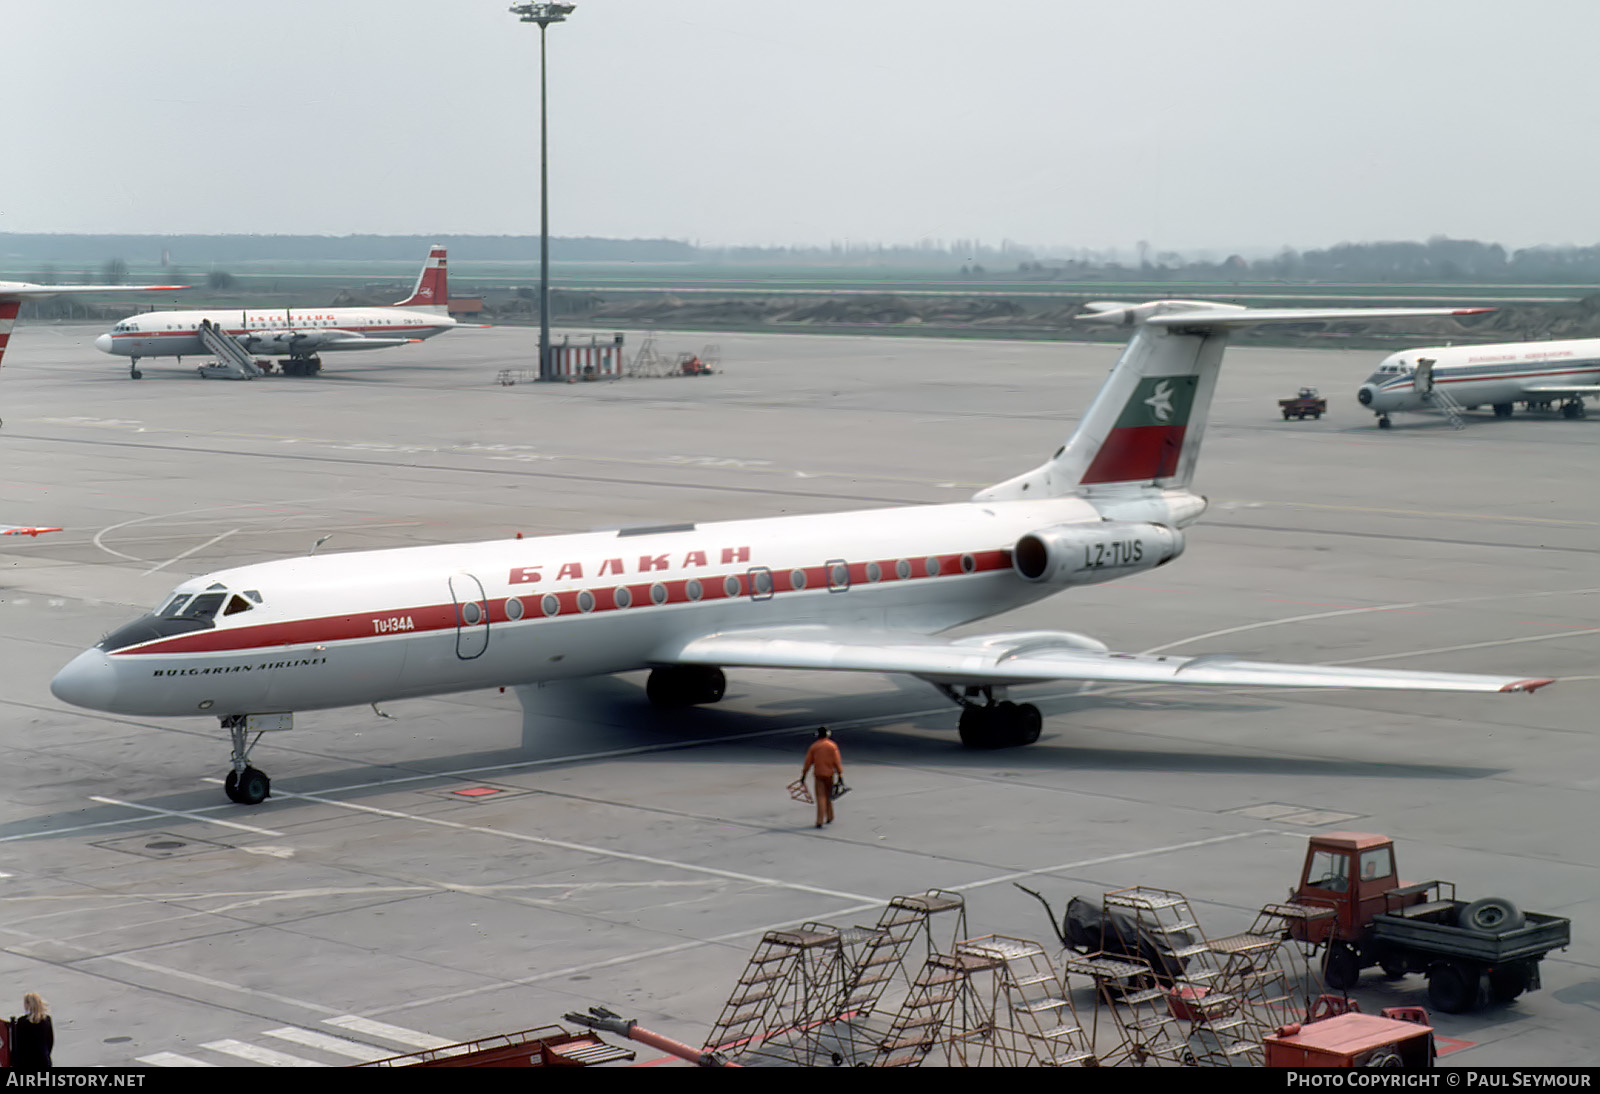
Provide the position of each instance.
(862, 591)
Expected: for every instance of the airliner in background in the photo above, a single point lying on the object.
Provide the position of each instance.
(1450, 379)
(866, 591)
(237, 336)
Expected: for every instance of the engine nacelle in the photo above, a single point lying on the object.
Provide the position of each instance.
(1084, 554)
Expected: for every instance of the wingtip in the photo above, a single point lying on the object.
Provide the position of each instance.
(1529, 686)
(1473, 311)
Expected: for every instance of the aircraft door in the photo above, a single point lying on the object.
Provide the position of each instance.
(1423, 378)
(472, 616)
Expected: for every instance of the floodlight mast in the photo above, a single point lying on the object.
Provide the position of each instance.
(543, 14)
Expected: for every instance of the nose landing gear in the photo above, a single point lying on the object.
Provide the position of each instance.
(244, 784)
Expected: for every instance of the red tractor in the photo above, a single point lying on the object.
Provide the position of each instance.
(1470, 952)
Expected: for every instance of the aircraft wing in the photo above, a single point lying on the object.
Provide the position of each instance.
(1040, 656)
(23, 530)
(361, 341)
(22, 290)
(1562, 389)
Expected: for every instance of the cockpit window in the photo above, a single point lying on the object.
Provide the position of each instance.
(204, 606)
(172, 607)
(237, 604)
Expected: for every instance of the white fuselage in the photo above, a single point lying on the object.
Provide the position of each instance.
(260, 331)
(1488, 375)
(341, 630)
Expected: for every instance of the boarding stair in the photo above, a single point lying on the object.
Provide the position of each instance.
(1442, 401)
(232, 360)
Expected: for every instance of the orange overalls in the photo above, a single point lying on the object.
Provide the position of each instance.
(824, 756)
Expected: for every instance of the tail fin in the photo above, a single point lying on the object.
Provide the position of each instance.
(432, 293)
(8, 318)
(1144, 428)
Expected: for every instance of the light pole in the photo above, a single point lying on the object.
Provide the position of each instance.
(544, 15)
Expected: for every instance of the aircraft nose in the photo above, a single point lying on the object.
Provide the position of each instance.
(103, 343)
(1365, 394)
(88, 681)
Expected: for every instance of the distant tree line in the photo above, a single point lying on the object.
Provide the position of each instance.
(1439, 259)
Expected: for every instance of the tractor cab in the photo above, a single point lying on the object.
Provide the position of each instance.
(1349, 872)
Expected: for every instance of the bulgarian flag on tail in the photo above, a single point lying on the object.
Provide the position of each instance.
(1147, 440)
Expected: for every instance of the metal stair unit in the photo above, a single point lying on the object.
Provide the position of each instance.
(232, 360)
(918, 1028)
(1125, 988)
(1030, 1016)
(880, 959)
(1258, 967)
(790, 983)
(1190, 977)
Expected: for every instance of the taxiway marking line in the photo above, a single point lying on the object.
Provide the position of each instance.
(310, 1038)
(185, 816)
(867, 904)
(355, 1023)
(256, 1055)
(171, 1059)
(582, 848)
(190, 551)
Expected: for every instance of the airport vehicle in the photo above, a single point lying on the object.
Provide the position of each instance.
(1337, 1034)
(13, 293)
(302, 335)
(23, 530)
(864, 591)
(1307, 404)
(1449, 379)
(1469, 952)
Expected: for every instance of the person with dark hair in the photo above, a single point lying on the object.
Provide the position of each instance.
(823, 755)
(32, 1036)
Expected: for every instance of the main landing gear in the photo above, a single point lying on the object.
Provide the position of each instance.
(244, 784)
(991, 724)
(685, 685)
(302, 366)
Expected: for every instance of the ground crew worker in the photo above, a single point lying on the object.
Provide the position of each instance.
(824, 756)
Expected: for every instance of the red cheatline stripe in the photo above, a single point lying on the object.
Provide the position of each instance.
(1137, 453)
(444, 617)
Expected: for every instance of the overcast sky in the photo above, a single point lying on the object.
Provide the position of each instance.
(1187, 123)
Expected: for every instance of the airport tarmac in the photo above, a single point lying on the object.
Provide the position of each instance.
(633, 858)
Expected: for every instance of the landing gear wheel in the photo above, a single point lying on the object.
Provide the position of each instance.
(1000, 725)
(135, 374)
(1502, 410)
(1030, 723)
(1572, 410)
(247, 787)
(1384, 422)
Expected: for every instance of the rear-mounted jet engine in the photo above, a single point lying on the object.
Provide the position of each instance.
(1083, 554)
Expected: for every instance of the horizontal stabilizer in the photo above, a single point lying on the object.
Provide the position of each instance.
(1030, 659)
